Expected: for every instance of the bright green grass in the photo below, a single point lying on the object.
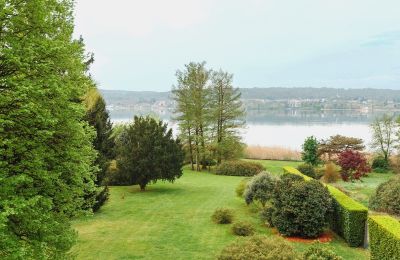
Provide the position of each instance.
(172, 221)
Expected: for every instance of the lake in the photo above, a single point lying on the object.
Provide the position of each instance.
(288, 128)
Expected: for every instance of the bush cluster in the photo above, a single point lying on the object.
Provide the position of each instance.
(387, 197)
(243, 228)
(260, 188)
(222, 216)
(259, 248)
(379, 164)
(384, 234)
(307, 169)
(239, 168)
(242, 187)
(318, 252)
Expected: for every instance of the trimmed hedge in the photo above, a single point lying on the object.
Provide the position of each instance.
(239, 168)
(348, 218)
(384, 235)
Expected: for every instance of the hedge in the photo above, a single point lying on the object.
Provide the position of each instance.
(384, 235)
(239, 168)
(348, 217)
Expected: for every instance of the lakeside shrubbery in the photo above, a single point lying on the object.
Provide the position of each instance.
(239, 168)
(271, 153)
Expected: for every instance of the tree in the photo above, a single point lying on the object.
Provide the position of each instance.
(227, 114)
(384, 135)
(46, 155)
(149, 153)
(337, 144)
(260, 188)
(310, 151)
(354, 165)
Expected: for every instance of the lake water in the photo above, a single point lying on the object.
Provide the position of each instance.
(289, 128)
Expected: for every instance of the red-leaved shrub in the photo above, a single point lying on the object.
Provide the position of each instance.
(354, 165)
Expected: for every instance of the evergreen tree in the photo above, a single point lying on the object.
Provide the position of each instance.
(148, 152)
(46, 153)
(310, 151)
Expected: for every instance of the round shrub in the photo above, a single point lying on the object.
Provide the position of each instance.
(242, 187)
(317, 252)
(222, 216)
(387, 197)
(243, 228)
(260, 188)
(307, 169)
(301, 208)
(239, 168)
(331, 173)
(266, 214)
(379, 164)
(259, 248)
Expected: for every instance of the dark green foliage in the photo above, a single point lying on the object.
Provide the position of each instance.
(242, 187)
(301, 208)
(101, 197)
(307, 169)
(222, 216)
(147, 152)
(266, 214)
(46, 155)
(319, 252)
(259, 248)
(310, 151)
(239, 168)
(243, 228)
(380, 164)
(387, 197)
(384, 234)
(260, 188)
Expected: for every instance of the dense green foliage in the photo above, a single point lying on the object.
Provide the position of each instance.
(318, 252)
(147, 152)
(380, 164)
(46, 157)
(242, 187)
(310, 151)
(301, 208)
(259, 248)
(239, 168)
(260, 188)
(243, 228)
(384, 234)
(387, 197)
(222, 216)
(307, 169)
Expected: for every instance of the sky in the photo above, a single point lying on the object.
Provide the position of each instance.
(139, 45)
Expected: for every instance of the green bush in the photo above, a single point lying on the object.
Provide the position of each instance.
(243, 228)
(384, 234)
(301, 208)
(348, 217)
(260, 188)
(239, 168)
(318, 252)
(242, 187)
(259, 248)
(266, 214)
(387, 197)
(222, 216)
(307, 169)
(379, 164)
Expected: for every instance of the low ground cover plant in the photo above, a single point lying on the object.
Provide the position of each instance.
(222, 216)
(259, 248)
(319, 252)
(239, 168)
(243, 228)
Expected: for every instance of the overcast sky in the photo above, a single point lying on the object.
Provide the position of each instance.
(138, 45)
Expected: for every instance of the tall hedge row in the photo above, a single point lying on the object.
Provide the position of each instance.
(384, 235)
(348, 217)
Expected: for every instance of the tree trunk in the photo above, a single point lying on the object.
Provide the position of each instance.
(142, 186)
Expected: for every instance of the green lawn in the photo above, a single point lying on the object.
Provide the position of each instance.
(172, 221)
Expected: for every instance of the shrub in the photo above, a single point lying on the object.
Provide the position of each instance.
(307, 169)
(310, 151)
(331, 174)
(354, 165)
(239, 168)
(101, 197)
(387, 197)
(243, 228)
(222, 216)
(259, 248)
(266, 214)
(384, 234)
(242, 187)
(260, 188)
(301, 208)
(293, 171)
(318, 252)
(379, 164)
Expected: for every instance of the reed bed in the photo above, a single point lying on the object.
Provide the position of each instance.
(272, 153)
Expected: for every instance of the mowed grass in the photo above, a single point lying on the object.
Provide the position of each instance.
(173, 220)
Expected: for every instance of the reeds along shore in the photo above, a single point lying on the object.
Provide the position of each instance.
(272, 153)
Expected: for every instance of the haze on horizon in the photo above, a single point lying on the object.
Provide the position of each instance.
(138, 45)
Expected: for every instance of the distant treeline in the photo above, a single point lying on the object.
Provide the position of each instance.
(122, 97)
